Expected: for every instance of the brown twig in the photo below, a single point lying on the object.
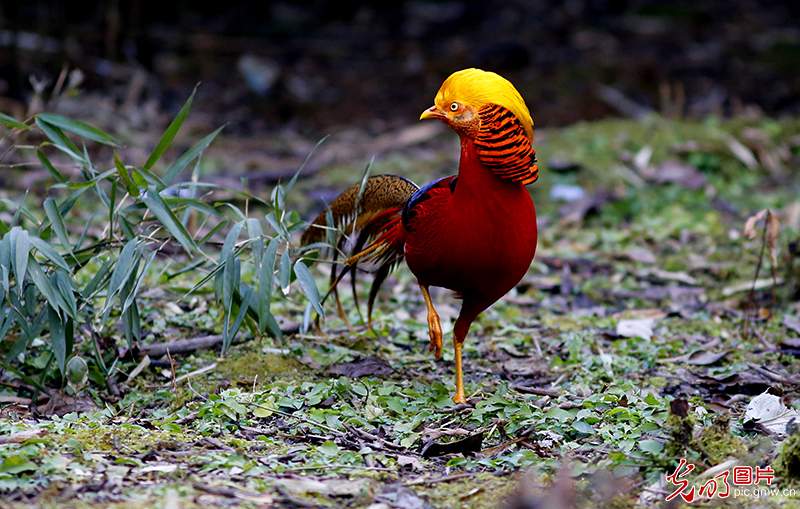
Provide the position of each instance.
(751, 297)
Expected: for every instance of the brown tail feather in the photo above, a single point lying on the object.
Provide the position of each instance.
(377, 222)
(381, 193)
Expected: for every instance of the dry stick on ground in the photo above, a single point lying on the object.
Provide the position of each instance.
(182, 346)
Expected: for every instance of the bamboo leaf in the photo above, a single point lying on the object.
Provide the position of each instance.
(230, 241)
(132, 189)
(64, 287)
(157, 206)
(58, 338)
(79, 128)
(189, 155)
(244, 306)
(49, 167)
(132, 295)
(12, 122)
(20, 251)
(286, 271)
(169, 134)
(53, 214)
(265, 282)
(309, 286)
(254, 233)
(121, 274)
(42, 283)
(211, 233)
(5, 263)
(147, 178)
(178, 202)
(48, 252)
(308, 158)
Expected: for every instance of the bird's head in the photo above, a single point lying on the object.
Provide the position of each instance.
(465, 92)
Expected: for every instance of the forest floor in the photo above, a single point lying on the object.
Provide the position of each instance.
(647, 323)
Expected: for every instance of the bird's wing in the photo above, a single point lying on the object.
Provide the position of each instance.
(503, 146)
(415, 207)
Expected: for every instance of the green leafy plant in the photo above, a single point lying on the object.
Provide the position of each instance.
(46, 289)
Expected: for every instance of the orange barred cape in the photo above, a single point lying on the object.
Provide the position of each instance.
(504, 147)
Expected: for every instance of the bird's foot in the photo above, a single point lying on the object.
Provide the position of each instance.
(459, 398)
(435, 330)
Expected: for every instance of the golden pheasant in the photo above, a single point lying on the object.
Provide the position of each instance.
(473, 233)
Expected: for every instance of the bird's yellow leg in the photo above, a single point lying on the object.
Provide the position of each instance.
(459, 397)
(434, 327)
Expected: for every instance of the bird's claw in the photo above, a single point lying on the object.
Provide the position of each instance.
(435, 329)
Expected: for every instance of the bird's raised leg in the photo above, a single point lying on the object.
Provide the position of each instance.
(434, 327)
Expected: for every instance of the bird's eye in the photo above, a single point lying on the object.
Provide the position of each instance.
(454, 107)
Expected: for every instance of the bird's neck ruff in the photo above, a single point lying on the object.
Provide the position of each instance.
(502, 146)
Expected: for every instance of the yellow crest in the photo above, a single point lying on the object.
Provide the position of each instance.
(474, 87)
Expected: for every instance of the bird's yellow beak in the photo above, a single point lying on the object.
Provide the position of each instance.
(432, 112)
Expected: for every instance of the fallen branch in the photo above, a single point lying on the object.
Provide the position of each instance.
(536, 391)
(182, 346)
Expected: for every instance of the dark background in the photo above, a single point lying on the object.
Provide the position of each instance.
(378, 64)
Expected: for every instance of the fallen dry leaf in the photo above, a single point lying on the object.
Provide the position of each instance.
(750, 224)
(698, 358)
(769, 412)
(409, 461)
(636, 328)
(641, 255)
